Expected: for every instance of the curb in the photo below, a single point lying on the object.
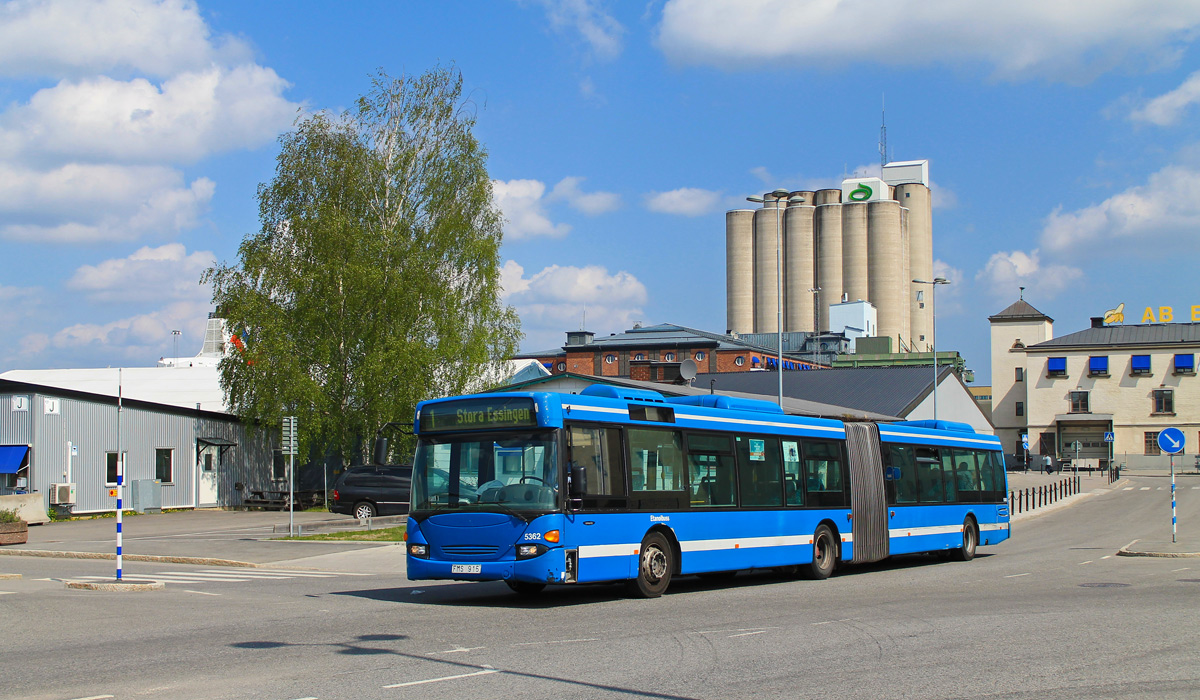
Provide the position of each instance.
(1127, 552)
(56, 554)
(121, 586)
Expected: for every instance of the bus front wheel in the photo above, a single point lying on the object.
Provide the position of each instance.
(824, 555)
(656, 562)
(970, 541)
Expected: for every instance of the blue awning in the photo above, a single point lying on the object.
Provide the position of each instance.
(1141, 363)
(1185, 363)
(1098, 365)
(12, 457)
(1057, 364)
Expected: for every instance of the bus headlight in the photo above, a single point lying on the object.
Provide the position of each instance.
(421, 551)
(529, 551)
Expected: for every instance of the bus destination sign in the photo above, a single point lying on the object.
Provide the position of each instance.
(478, 414)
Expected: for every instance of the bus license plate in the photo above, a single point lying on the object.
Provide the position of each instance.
(466, 568)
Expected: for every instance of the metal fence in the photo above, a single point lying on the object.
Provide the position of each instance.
(1037, 496)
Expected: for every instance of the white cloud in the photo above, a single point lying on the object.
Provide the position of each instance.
(78, 203)
(1168, 109)
(685, 201)
(165, 272)
(598, 29)
(1007, 271)
(188, 117)
(559, 298)
(1071, 40)
(587, 202)
(136, 337)
(154, 37)
(524, 209)
(17, 303)
(1142, 218)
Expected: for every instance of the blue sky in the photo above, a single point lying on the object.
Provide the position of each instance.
(1063, 142)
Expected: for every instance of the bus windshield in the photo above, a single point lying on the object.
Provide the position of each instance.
(503, 472)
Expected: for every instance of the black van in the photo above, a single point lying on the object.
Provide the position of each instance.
(371, 490)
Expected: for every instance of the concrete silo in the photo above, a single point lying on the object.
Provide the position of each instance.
(855, 282)
(739, 270)
(885, 254)
(798, 266)
(906, 282)
(916, 198)
(766, 290)
(830, 196)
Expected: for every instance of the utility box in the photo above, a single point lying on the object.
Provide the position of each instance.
(147, 495)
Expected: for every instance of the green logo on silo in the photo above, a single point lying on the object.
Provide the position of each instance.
(861, 193)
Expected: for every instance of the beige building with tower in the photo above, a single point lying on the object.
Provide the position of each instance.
(1098, 396)
(864, 242)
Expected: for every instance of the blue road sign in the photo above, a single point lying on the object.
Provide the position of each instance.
(1024, 445)
(1170, 440)
(1110, 437)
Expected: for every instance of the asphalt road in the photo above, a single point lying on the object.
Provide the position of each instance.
(1051, 614)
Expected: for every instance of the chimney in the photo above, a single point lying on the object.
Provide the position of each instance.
(1097, 321)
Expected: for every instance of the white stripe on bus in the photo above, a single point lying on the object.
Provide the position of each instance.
(919, 531)
(949, 438)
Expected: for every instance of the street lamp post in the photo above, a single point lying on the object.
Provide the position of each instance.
(779, 196)
(933, 331)
(816, 292)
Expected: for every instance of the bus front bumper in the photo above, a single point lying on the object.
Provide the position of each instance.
(547, 568)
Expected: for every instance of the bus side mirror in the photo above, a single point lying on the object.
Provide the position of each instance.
(381, 450)
(578, 481)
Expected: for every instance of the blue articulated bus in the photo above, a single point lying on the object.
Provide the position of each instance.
(617, 484)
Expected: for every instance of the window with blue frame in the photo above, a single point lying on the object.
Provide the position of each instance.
(1185, 364)
(1140, 364)
(1056, 367)
(1098, 366)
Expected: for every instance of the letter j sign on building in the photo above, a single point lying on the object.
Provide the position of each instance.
(1171, 440)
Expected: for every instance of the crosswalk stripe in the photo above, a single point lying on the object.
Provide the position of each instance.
(1128, 488)
(271, 574)
(204, 574)
(294, 572)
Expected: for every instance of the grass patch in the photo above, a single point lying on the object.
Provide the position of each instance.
(388, 534)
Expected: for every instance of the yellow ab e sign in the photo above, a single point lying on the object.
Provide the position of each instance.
(1166, 314)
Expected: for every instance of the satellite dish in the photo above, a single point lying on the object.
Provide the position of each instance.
(687, 369)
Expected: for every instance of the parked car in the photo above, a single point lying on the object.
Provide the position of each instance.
(371, 490)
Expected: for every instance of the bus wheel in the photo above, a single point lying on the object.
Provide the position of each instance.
(656, 562)
(824, 555)
(525, 588)
(970, 541)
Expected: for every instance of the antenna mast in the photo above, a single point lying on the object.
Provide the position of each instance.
(882, 131)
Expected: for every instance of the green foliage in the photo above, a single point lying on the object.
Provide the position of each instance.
(9, 515)
(389, 534)
(374, 281)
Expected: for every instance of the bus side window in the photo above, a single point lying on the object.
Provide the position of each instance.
(793, 477)
(656, 468)
(823, 473)
(903, 458)
(758, 471)
(598, 451)
(966, 476)
(929, 476)
(711, 470)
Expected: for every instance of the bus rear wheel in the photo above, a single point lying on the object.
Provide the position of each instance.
(525, 588)
(656, 563)
(970, 541)
(824, 555)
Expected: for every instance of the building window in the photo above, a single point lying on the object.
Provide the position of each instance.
(1185, 364)
(1098, 366)
(110, 473)
(739, 360)
(1164, 401)
(669, 357)
(639, 356)
(1056, 367)
(164, 465)
(1140, 365)
(1020, 374)
(609, 359)
(1151, 444)
(700, 356)
(1079, 402)
(1020, 408)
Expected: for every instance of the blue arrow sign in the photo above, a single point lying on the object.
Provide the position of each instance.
(1171, 440)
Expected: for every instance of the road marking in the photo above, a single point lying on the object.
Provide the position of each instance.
(7, 592)
(300, 572)
(747, 634)
(557, 641)
(1106, 556)
(1127, 488)
(457, 650)
(1016, 575)
(204, 576)
(827, 622)
(95, 697)
(439, 680)
(1085, 562)
(1186, 568)
(201, 593)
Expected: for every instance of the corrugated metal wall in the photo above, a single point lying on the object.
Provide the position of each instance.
(91, 427)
